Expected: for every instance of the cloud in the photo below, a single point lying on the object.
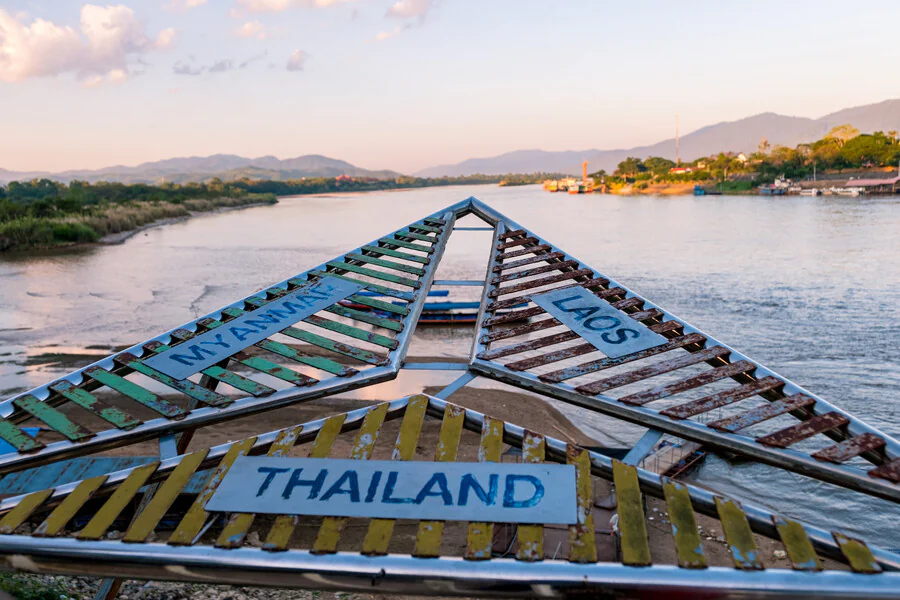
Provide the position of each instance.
(253, 59)
(183, 5)
(252, 29)
(272, 6)
(185, 68)
(297, 60)
(408, 9)
(386, 35)
(222, 65)
(109, 40)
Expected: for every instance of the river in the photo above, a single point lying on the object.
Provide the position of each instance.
(808, 286)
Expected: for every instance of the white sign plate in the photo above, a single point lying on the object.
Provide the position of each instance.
(492, 492)
(210, 347)
(609, 330)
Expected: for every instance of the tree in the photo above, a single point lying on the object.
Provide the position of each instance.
(842, 134)
(658, 166)
(764, 146)
(631, 166)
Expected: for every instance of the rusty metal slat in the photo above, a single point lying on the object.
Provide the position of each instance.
(590, 284)
(762, 413)
(516, 315)
(667, 327)
(790, 435)
(702, 405)
(387, 264)
(650, 313)
(95, 406)
(857, 553)
(269, 368)
(381, 289)
(582, 535)
(135, 392)
(434, 221)
(318, 362)
(363, 317)
(512, 233)
(844, 451)
(54, 419)
(480, 536)
(428, 228)
(412, 235)
(559, 266)
(390, 307)
(518, 242)
(653, 370)
(799, 548)
(558, 338)
(353, 332)
(407, 245)
(396, 254)
(185, 386)
(689, 383)
(551, 357)
(531, 537)
(889, 470)
(345, 266)
(337, 347)
(511, 332)
(521, 287)
(605, 363)
(627, 303)
(17, 438)
(630, 508)
(529, 261)
(744, 551)
(518, 253)
(685, 532)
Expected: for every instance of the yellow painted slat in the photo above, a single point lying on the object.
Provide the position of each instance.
(481, 535)
(284, 525)
(684, 526)
(23, 510)
(531, 537)
(740, 538)
(378, 537)
(630, 508)
(858, 555)
(330, 532)
(193, 521)
(799, 549)
(238, 524)
(63, 513)
(582, 542)
(428, 537)
(144, 524)
(116, 503)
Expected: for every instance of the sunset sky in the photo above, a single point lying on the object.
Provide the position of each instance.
(412, 83)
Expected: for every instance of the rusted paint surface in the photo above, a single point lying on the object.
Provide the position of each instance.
(434, 221)
(364, 317)
(518, 242)
(353, 332)
(550, 340)
(269, 368)
(318, 362)
(844, 451)
(531, 537)
(688, 546)
(380, 305)
(511, 332)
(426, 228)
(630, 508)
(387, 264)
(762, 413)
(94, 405)
(517, 253)
(345, 266)
(605, 363)
(412, 235)
(857, 554)
(185, 386)
(134, 391)
(650, 313)
(889, 471)
(529, 261)
(516, 315)
(535, 271)
(744, 551)
(512, 233)
(689, 383)
(337, 347)
(53, 418)
(653, 370)
(17, 438)
(551, 357)
(510, 302)
(408, 245)
(627, 303)
(702, 405)
(378, 250)
(582, 535)
(521, 287)
(799, 549)
(793, 434)
(480, 535)
(381, 289)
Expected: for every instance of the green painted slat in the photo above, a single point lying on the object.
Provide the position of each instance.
(17, 438)
(136, 392)
(407, 245)
(380, 305)
(53, 418)
(185, 386)
(435, 221)
(364, 317)
(354, 332)
(374, 274)
(318, 362)
(423, 227)
(396, 254)
(387, 264)
(416, 236)
(346, 350)
(269, 368)
(91, 403)
(381, 289)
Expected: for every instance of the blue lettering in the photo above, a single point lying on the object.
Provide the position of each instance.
(270, 472)
(353, 491)
(261, 321)
(219, 342)
(509, 493)
(289, 309)
(315, 485)
(197, 356)
(387, 496)
(238, 332)
(373, 487)
(583, 313)
(559, 303)
(444, 492)
(469, 482)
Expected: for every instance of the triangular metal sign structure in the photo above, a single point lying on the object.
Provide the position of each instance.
(589, 341)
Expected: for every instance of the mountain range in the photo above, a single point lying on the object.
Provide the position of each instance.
(227, 167)
(743, 135)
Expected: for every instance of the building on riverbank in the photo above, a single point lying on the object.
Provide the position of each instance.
(877, 186)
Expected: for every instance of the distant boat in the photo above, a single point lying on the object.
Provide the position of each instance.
(811, 192)
(699, 190)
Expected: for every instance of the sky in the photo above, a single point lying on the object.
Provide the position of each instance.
(408, 84)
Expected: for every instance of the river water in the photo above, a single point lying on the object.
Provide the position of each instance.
(808, 286)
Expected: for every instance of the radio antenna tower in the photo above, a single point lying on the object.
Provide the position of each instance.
(677, 160)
